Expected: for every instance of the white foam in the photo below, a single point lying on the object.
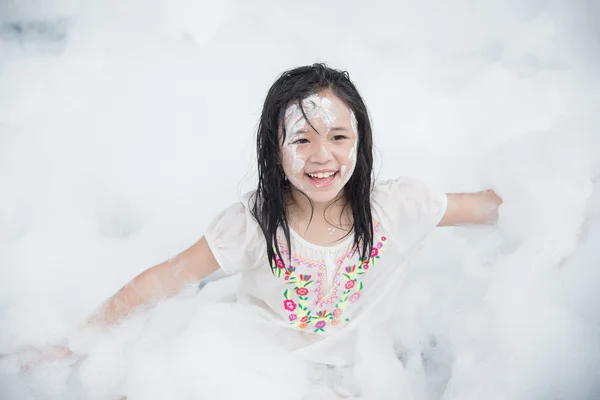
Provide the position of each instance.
(108, 166)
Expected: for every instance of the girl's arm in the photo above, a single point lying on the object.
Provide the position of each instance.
(157, 283)
(471, 208)
(152, 285)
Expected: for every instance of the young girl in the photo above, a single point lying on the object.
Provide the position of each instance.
(320, 247)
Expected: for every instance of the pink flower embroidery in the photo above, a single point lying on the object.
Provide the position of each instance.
(299, 313)
(289, 305)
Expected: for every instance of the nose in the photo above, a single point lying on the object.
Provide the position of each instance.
(320, 153)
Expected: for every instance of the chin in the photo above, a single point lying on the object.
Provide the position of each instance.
(321, 197)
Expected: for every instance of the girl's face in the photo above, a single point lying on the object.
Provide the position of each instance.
(320, 161)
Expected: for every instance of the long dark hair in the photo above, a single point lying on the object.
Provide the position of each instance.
(268, 209)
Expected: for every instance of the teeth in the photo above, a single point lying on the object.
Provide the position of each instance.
(322, 175)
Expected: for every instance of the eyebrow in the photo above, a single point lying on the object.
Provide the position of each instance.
(332, 129)
(338, 128)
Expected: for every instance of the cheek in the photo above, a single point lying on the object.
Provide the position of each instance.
(293, 161)
(348, 160)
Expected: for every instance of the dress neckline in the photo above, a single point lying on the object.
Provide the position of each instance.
(344, 243)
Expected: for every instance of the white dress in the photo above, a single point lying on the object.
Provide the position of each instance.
(296, 334)
(314, 305)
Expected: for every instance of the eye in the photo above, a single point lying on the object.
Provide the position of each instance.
(340, 137)
(300, 141)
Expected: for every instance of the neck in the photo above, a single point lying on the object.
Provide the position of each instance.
(301, 206)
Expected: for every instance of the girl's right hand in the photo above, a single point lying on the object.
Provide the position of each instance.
(31, 357)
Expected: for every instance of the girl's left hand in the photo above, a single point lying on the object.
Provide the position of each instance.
(479, 208)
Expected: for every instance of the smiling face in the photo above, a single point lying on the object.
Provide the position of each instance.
(319, 159)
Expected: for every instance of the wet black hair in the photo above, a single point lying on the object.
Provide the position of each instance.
(268, 207)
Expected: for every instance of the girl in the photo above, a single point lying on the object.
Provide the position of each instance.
(321, 248)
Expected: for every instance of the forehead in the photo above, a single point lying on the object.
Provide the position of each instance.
(316, 105)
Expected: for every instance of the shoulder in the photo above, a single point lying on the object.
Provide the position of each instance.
(248, 200)
(405, 188)
(242, 207)
(405, 202)
(234, 236)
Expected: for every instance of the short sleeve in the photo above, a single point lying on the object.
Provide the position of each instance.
(235, 238)
(408, 209)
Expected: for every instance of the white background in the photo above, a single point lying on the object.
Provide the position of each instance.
(125, 126)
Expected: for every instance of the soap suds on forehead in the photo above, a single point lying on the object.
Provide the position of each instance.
(314, 106)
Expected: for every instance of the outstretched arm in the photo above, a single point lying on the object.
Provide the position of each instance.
(152, 285)
(157, 283)
(479, 208)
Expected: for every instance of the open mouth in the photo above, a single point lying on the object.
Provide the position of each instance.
(322, 179)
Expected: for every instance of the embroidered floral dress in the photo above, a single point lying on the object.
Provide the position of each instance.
(319, 296)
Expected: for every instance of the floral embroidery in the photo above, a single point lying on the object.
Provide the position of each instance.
(324, 297)
(296, 297)
(354, 298)
(289, 305)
